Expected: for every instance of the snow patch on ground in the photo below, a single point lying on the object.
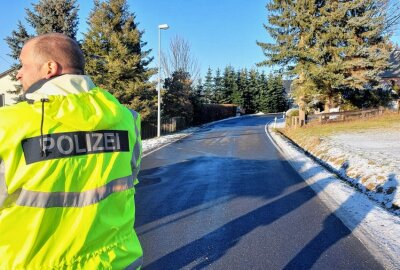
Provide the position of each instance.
(374, 157)
(150, 145)
(380, 146)
(368, 160)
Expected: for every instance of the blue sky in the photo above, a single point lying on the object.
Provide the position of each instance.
(220, 32)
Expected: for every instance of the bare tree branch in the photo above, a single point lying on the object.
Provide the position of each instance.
(179, 58)
(390, 10)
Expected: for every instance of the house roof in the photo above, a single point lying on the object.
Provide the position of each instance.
(394, 65)
(5, 73)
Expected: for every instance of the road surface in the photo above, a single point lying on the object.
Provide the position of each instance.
(224, 198)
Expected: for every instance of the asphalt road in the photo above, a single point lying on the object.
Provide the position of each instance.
(224, 198)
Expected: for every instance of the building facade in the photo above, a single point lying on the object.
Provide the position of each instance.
(6, 85)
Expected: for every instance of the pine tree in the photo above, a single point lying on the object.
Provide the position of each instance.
(59, 16)
(115, 58)
(241, 80)
(354, 48)
(229, 85)
(270, 94)
(218, 87)
(276, 96)
(281, 101)
(292, 25)
(47, 16)
(208, 87)
(197, 99)
(198, 93)
(263, 98)
(247, 92)
(176, 99)
(327, 45)
(16, 41)
(252, 93)
(367, 48)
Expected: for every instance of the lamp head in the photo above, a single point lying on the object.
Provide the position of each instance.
(163, 26)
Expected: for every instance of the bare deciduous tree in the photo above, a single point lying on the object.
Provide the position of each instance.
(390, 9)
(179, 58)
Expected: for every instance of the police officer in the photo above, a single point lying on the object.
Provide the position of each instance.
(70, 156)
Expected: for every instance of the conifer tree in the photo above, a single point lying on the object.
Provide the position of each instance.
(270, 93)
(252, 94)
(176, 99)
(198, 93)
(277, 101)
(281, 100)
(115, 57)
(367, 48)
(229, 84)
(241, 82)
(292, 26)
(354, 48)
(263, 97)
(59, 16)
(327, 45)
(16, 41)
(197, 99)
(218, 87)
(208, 87)
(247, 92)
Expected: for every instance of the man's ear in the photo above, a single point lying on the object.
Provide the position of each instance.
(52, 69)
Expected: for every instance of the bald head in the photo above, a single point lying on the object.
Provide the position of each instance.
(61, 49)
(47, 56)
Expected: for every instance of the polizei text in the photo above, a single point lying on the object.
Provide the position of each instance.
(59, 145)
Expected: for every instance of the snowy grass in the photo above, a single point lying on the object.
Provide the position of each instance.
(363, 152)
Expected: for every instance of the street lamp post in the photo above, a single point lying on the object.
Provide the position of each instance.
(160, 27)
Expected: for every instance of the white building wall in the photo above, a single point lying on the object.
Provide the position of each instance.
(6, 84)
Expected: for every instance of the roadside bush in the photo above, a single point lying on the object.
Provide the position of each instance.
(289, 114)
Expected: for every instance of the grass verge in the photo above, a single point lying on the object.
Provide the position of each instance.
(388, 120)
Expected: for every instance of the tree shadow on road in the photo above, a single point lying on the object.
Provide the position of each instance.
(332, 232)
(216, 243)
(195, 182)
(174, 202)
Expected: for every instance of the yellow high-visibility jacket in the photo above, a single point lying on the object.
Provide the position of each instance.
(69, 161)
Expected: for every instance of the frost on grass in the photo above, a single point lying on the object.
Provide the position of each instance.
(368, 160)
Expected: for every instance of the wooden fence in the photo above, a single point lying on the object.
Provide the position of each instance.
(149, 130)
(324, 118)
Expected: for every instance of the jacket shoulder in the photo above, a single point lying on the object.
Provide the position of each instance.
(15, 113)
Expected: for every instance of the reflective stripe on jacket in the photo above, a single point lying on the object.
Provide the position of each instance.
(67, 189)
